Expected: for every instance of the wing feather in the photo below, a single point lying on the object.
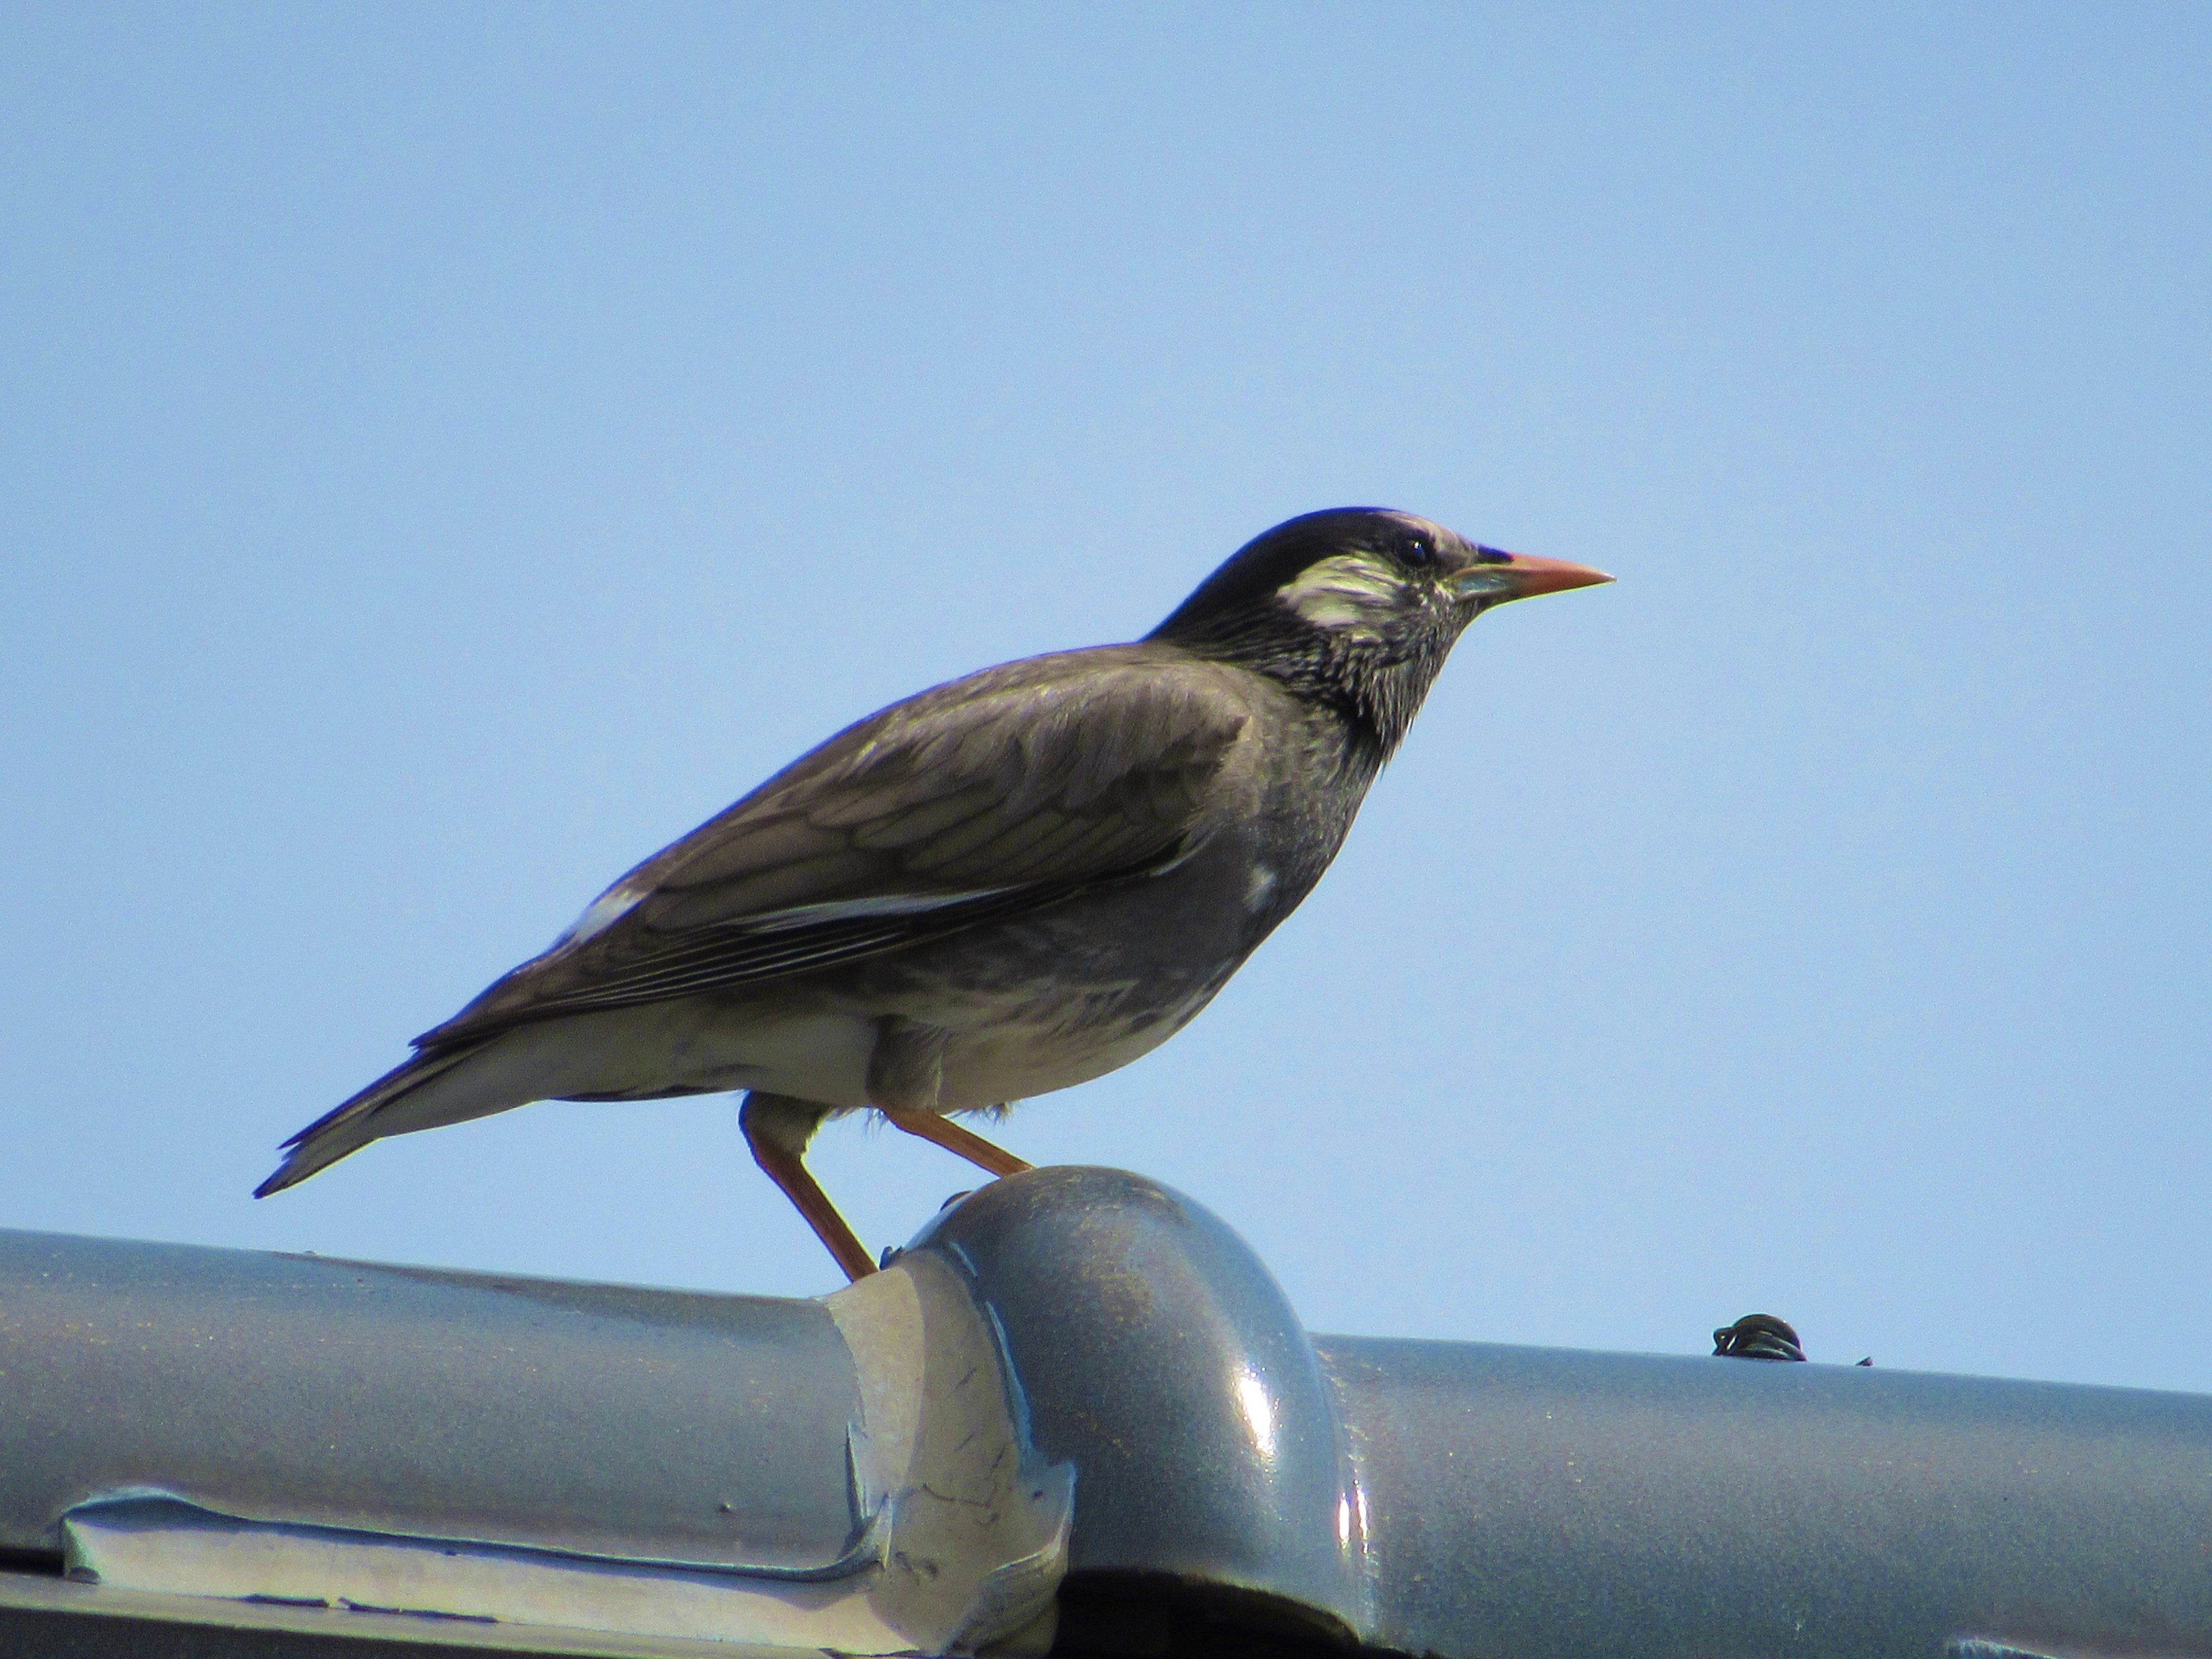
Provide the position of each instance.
(1008, 790)
(905, 826)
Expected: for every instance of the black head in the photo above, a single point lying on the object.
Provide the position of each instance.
(1357, 605)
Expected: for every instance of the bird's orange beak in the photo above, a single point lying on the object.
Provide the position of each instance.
(1498, 576)
(1527, 575)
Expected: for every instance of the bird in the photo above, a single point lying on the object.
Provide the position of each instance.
(1005, 885)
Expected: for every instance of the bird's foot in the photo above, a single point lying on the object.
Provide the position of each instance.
(777, 1128)
(936, 1128)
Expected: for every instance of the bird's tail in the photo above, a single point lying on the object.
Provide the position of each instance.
(352, 1125)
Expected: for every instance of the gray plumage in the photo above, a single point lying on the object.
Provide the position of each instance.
(1000, 887)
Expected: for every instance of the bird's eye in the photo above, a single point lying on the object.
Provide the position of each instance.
(1418, 552)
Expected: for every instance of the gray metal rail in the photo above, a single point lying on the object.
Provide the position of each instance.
(1076, 1415)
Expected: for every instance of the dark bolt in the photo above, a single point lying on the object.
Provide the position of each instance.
(1758, 1336)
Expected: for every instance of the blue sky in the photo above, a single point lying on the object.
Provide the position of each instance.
(451, 450)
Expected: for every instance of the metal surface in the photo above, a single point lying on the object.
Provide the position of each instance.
(1539, 1502)
(1493, 1500)
(452, 1447)
(1157, 1357)
(55, 1619)
(1072, 1370)
(596, 1419)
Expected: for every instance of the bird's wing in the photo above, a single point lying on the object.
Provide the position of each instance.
(994, 795)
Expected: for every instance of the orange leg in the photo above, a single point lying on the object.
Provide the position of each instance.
(962, 1143)
(771, 1136)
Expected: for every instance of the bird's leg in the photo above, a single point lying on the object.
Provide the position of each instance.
(905, 1070)
(962, 1143)
(777, 1127)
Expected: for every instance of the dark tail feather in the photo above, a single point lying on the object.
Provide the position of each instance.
(350, 1127)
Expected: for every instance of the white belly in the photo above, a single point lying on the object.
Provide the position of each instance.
(1001, 1050)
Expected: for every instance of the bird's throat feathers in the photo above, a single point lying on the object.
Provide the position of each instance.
(1353, 609)
(1333, 638)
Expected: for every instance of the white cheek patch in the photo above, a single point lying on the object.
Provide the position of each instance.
(1350, 593)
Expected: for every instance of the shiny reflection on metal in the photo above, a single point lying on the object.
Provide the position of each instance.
(55, 1619)
(157, 1545)
(1157, 1357)
(977, 1523)
(93, 1550)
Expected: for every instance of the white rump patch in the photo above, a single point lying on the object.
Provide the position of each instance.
(1349, 592)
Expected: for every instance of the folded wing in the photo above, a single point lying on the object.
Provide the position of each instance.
(995, 795)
